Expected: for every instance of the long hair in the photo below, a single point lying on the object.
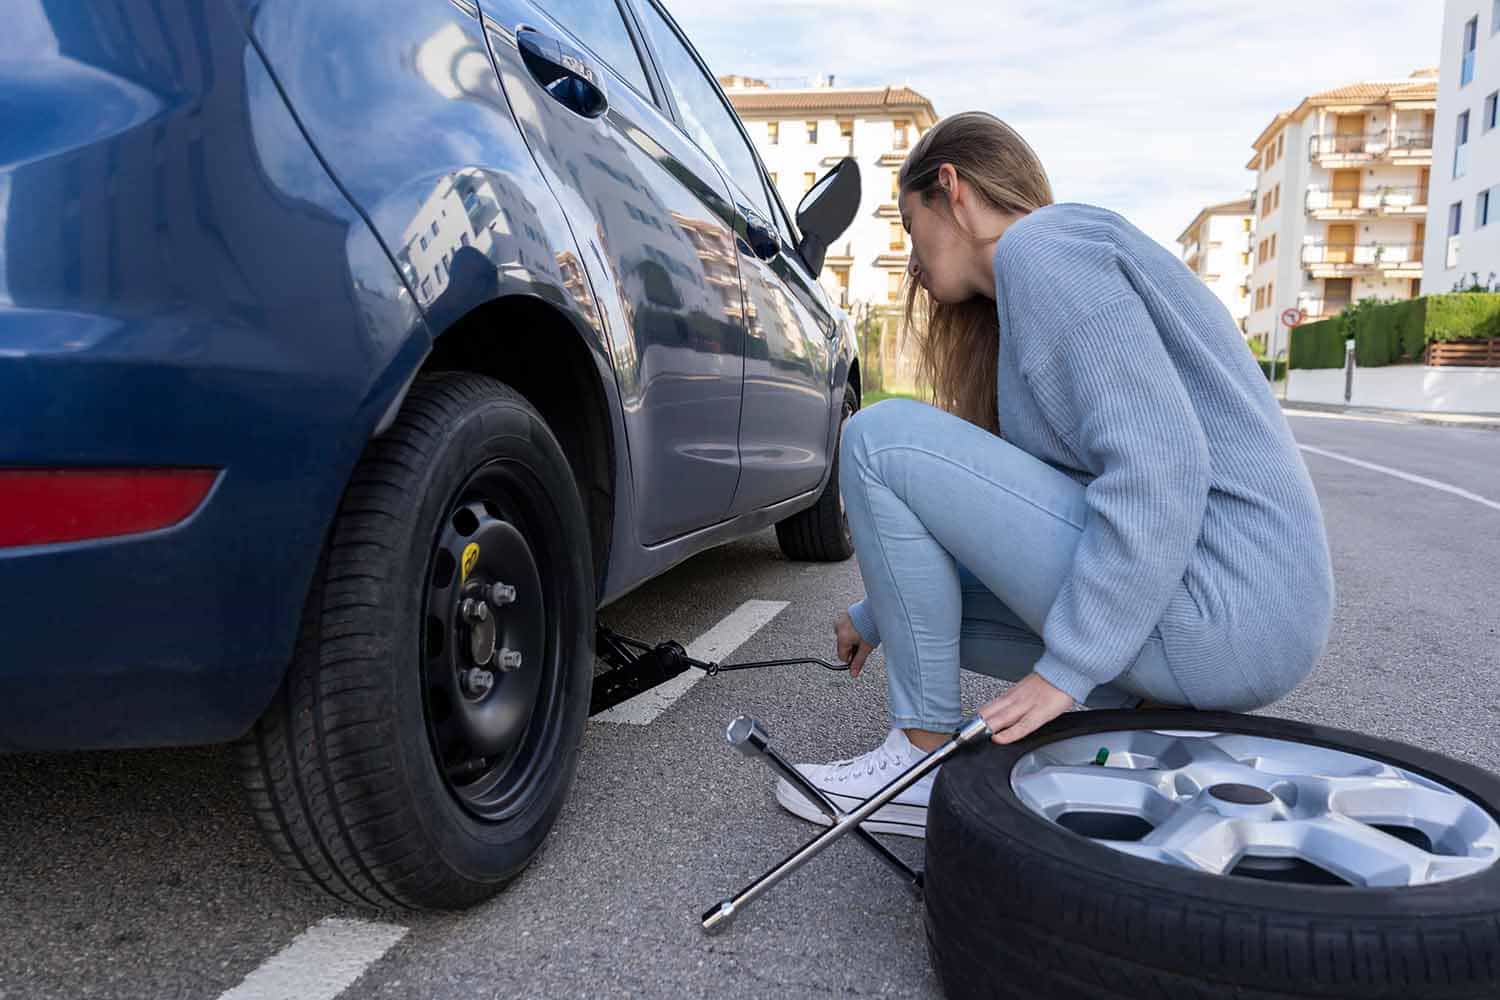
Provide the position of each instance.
(957, 344)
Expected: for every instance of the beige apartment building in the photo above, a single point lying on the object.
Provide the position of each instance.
(1341, 200)
(1216, 246)
(803, 132)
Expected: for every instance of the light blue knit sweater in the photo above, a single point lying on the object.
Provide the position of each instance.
(1120, 367)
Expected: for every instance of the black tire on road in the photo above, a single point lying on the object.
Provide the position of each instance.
(821, 532)
(1017, 906)
(377, 775)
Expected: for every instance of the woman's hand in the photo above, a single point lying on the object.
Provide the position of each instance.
(849, 644)
(1026, 707)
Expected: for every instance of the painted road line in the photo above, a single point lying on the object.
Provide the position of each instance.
(1409, 477)
(713, 645)
(320, 963)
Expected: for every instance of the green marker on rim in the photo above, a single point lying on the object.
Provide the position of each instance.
(1101, 756)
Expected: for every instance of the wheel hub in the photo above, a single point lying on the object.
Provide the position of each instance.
(486, 623)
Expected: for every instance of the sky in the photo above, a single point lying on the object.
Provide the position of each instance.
(1146, 107)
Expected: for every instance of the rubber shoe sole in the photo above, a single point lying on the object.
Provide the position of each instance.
(895, 817)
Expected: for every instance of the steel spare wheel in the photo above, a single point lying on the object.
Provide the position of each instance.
(1193, 854)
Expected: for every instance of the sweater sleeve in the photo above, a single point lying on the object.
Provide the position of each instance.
(1107, 387)
(864, 621)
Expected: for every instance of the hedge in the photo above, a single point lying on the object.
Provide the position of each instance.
(1388, 332)
(1319, 345)
(1265, 369)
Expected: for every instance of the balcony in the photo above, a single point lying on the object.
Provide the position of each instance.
(1381, 200)
(1336, 260)
(1401, 146)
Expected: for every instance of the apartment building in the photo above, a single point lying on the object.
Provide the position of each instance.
(802, 132)
(1341, 200)
(1216, 246)
(1462, 238)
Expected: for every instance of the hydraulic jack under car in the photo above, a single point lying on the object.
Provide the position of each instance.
(636, 666)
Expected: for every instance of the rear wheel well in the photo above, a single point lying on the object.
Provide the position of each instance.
(535, 350)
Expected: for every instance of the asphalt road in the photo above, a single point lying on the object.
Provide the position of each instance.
(139, 874)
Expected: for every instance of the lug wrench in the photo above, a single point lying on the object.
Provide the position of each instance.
(972, 731)
(748, 737)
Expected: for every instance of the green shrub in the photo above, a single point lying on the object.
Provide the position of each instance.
(1462, 316)
(1319, 345)
(1265, 369)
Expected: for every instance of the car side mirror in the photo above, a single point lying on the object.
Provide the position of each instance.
(827, 210)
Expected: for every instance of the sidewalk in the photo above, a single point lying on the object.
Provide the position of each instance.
(1483, 421)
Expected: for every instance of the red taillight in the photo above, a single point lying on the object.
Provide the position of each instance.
(44, 506)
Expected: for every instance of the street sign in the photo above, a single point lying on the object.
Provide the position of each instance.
(1292, 317)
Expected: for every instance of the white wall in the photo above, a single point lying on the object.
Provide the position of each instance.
(1478, 248)
(1402, 387)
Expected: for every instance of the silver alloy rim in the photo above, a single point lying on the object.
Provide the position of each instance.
(1271, 809)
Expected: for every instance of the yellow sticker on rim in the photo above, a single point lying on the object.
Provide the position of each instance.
(470, 560)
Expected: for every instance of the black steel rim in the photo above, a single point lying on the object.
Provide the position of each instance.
(491, 742)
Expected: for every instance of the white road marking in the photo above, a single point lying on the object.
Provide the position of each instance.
(713, 645)
(1409, 477)
(320, 963)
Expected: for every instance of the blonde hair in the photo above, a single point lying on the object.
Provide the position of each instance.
(958, 343)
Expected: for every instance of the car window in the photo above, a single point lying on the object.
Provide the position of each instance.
(600, 25)
(704, 114)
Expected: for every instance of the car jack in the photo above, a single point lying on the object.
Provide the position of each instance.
(636, 666)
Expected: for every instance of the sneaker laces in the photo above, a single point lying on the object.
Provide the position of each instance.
(882, 758)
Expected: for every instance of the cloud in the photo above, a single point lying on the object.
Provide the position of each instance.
(1147, 108)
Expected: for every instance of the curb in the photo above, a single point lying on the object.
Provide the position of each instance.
(1479, 421)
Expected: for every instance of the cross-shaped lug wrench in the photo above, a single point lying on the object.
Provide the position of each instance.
(973, 731)
(748, 737)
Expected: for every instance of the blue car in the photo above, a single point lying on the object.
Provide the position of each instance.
(353, 354)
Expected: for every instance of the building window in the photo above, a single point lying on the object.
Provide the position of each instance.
(1273, 246)
(841, 279)
(1461, 146)
(893, 285)
(812, 133)
(1245, 259)
(846, 129)
(434, 227)
(1277, 197)
(1455, 217)
(896, 179)
(1270, 294)
(1260, 299)
(423, 241)
(1247, 222)
(808, 180)
(773, 178)
(1280, 145)
(1489, 108)
(898, 237)
(1471, 36)
(1494, 16)
(1482, 209)
(773, 133)
(902, 135)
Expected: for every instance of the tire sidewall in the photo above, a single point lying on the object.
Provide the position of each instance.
(487, 853)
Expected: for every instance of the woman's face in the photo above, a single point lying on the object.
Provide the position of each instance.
(937, 247)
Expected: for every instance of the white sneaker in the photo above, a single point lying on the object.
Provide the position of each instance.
(849, 782)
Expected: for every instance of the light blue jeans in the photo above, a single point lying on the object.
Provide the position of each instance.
(964, 540)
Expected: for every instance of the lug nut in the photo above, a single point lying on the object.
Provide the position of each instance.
(510, 659)
(475, 611)
(502, 593)
(477, 683)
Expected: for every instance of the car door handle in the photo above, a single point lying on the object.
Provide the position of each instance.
(764, 241)
(570, 77)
